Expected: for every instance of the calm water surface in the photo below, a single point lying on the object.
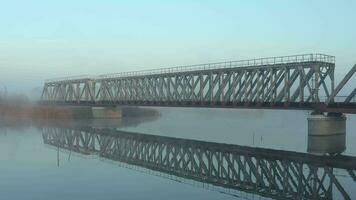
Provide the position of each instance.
(33, 168)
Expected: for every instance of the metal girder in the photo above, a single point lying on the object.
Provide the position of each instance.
(351, 96)
(341, 84)
(271, 173)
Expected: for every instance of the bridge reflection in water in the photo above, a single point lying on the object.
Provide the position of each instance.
(265, 172)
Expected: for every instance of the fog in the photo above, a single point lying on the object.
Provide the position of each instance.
(41, 40)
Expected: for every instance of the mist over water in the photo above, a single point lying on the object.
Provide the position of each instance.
(22, 150)
(55, 147)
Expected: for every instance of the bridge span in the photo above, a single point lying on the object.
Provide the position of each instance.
(290, 82)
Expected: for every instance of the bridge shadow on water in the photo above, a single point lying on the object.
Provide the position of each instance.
(232, 169)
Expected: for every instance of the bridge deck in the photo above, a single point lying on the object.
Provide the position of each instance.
(339, 107)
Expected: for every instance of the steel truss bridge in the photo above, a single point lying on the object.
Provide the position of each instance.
(264, 172)
(290, 82)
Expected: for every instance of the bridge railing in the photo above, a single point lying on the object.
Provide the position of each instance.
(210, 66)
(67, 78)
(230, 64)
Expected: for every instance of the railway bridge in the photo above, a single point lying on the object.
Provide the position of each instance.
(289, 82)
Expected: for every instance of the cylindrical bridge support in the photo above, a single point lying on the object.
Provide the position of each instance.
(326, 133)
(106, 112)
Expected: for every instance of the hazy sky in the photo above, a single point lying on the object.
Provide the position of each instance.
(46, 39)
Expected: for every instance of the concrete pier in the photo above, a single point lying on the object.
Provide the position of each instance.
(106, 112)
(326, 133)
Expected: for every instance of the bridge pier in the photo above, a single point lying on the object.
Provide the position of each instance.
(326, 133)
(106, 112)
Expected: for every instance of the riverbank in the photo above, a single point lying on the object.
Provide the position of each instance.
(18, 114)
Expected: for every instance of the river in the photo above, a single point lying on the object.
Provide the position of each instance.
(31, 168)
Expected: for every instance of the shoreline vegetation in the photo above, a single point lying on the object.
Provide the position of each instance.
(21, 112)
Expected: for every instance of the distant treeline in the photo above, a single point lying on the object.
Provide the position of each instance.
(18, 109)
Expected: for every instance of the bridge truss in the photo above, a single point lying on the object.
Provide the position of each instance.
(290, 81)
(265, 172)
